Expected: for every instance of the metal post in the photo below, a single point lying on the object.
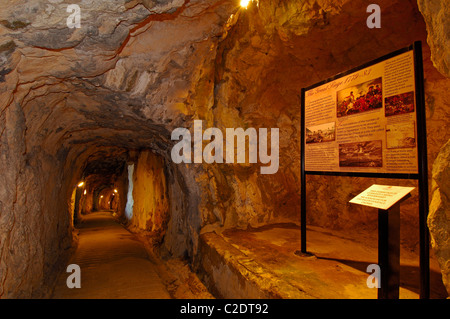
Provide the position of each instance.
(423, 174)
(389, 252)
(302, 178)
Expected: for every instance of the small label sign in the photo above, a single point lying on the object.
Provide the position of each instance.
(381, 196)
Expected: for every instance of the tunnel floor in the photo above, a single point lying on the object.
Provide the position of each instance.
(337, 267)
(114, 264)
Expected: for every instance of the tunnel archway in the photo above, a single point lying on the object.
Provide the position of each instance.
(105, 187)
(105, 174)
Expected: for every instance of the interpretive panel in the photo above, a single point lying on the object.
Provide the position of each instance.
(381, 196)
(364, 121)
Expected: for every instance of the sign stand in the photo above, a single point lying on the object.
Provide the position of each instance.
(387, 199)
(389, 251)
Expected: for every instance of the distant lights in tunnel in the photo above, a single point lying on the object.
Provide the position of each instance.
(101, 196)
(84, 192)
(80, 184)
(115, 190)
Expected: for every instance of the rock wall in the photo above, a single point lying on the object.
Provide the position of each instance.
(271, 52)
(439, 215)
(151, 205)
(118, 82)
(437, 17)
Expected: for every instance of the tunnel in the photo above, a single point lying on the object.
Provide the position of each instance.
(87, 122)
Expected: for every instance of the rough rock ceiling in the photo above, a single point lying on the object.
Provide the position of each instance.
(121, 79)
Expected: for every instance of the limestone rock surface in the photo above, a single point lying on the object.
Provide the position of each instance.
(437, 17)
(439, 214)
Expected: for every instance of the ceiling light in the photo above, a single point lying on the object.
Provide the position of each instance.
(244, 3)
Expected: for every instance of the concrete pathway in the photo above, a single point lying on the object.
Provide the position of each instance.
(113, 264)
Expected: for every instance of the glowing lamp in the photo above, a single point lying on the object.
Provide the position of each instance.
(115, 191)
(80, 184)
(84, 192)
(244, 3)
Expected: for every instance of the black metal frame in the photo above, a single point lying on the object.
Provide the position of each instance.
(421, 176)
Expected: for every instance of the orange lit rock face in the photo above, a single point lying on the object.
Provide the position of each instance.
(129, 76)
(59, 105)
(274, 51)
(439, 215)
(151, 206)
(436, 16)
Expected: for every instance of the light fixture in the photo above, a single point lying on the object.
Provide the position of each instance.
(80, 184)
(244, 3)
(101, 196)
(84, 192)
(115, 191)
